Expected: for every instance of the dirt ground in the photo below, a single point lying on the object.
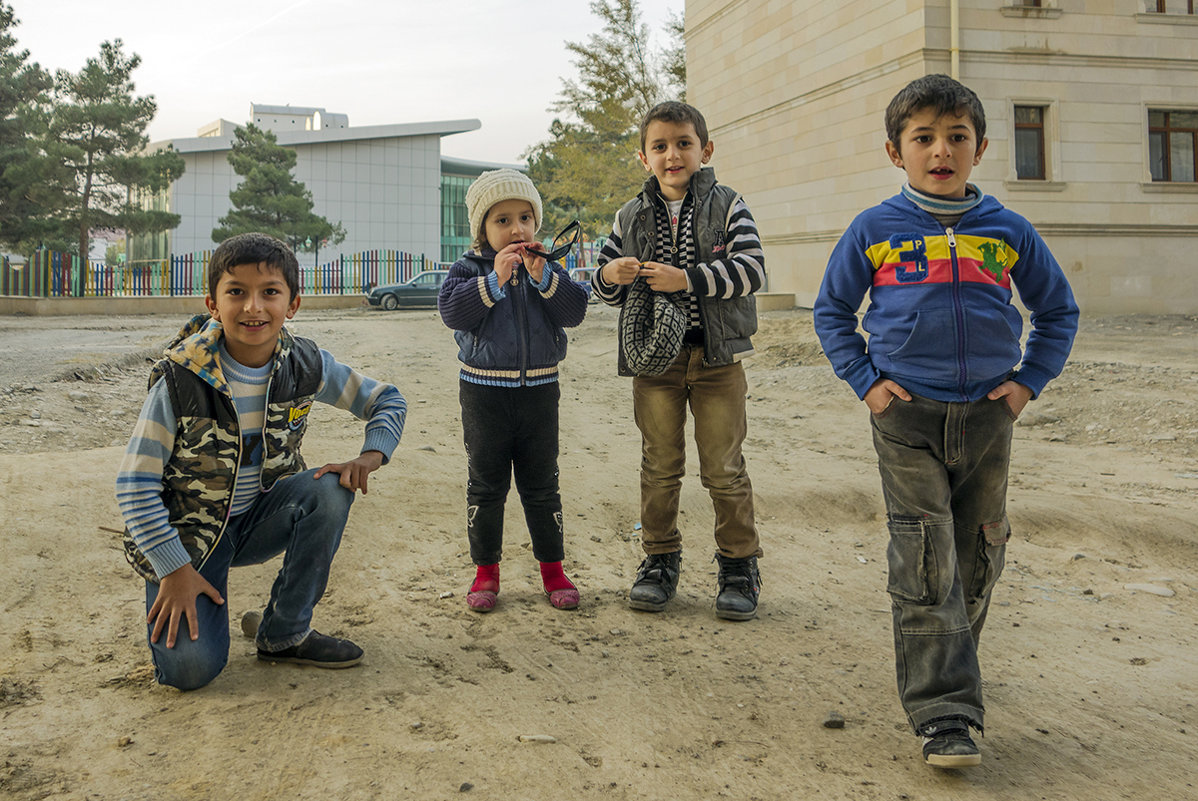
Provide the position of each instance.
(1090, 653)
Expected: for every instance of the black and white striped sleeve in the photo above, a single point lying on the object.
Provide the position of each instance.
(741, 271)
(613, 248)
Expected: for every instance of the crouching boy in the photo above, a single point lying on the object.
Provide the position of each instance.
(213, 475)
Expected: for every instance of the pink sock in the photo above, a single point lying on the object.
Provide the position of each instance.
(554, 578)
(486, 577)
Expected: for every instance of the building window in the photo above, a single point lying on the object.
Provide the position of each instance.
(1029, 143)
(1173, 145)
(1171, 6)
(455, 222)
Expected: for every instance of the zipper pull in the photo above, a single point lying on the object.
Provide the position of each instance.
(952, 240)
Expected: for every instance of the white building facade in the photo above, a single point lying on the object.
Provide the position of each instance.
(382, 183)
(1092, 117)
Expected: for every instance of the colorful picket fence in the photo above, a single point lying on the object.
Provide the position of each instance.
(61, 275)
(358, 272)
(45, 275)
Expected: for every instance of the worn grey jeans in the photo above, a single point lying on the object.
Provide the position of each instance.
(944, 479)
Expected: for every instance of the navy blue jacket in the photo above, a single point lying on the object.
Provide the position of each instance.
(510, 335)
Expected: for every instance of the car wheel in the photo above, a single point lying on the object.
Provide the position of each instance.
(390, 302)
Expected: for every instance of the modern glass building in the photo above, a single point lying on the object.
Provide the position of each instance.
(381, 182)
(456, 177)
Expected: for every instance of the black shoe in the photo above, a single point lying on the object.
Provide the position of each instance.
(740, 584)
(318, 650)
(656, 581)
(947, 744)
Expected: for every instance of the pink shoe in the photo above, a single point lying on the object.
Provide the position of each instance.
(482, 600)
(564, 599)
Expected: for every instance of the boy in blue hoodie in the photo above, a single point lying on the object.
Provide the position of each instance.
(944, 378)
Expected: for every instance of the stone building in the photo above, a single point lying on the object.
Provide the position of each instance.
(1092, 117)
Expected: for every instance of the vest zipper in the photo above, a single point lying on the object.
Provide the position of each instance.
(519, 298)
(233, 487)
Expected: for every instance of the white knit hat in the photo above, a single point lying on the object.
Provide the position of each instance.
(495, 187)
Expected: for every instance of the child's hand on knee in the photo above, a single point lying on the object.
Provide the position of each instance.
(176, 599)
(354, 473)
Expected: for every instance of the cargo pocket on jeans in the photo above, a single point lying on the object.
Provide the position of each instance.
(912, 561)
(990, 560)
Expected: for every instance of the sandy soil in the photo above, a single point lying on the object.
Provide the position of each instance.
(1090, 654)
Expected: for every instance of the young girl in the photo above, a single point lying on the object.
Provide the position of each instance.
(508, 307)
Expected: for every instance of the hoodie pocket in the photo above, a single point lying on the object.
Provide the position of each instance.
(930, 349)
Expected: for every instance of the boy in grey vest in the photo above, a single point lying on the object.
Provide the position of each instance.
(692, 241)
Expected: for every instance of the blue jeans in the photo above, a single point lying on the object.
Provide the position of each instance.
(299, 518)
(944, 479)
(506, 430)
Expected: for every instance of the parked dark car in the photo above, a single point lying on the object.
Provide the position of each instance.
(418, 291)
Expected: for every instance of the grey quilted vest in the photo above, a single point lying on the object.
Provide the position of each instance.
(727, 324)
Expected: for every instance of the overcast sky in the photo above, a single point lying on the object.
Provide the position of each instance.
(379, 61)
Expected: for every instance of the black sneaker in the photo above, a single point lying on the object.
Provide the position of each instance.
(318, 650)
(740, 584)
(656, 581)
(947, 744)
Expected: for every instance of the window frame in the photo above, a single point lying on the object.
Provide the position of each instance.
(1162, 7)
(1041, 143)
(1166, 150)
(1050, 144)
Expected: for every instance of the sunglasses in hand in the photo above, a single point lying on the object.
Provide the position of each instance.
(562, 243)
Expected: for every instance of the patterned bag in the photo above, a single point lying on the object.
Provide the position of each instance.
(652, 325)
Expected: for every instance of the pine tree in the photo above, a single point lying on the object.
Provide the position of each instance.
(94, 150)
(269, 199)
(588, 167)
(24, 95)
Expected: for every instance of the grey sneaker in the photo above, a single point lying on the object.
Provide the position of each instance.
(318, 650)
(656, 581)
(740, 584)
(947, 744)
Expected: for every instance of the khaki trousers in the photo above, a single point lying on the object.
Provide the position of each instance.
(716, 397)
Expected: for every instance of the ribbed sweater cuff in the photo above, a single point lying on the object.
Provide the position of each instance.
(168, 557)
(382, 441)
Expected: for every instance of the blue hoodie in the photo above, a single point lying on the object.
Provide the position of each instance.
(940, 319)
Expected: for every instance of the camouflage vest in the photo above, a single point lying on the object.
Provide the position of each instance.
(198, 479)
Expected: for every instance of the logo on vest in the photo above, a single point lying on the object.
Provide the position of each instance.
(717, 241)
(296, 415)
